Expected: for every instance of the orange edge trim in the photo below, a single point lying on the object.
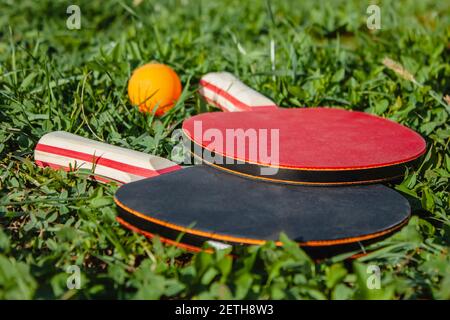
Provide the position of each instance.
(193, 248)
(163, 240)
(314, 243)
(295, 182)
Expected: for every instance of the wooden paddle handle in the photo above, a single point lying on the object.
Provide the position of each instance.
(225, 91)
(105, 162)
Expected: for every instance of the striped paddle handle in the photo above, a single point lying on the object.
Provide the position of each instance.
(225, 91)
(105, 162)
(110, 163)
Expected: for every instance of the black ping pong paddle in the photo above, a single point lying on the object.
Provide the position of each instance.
(209, 205)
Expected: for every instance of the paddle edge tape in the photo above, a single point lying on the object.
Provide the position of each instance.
(314, 177)
(163, 240)
(317, 253)
(196, 238)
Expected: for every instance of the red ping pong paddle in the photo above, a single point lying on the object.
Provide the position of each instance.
(317, 146)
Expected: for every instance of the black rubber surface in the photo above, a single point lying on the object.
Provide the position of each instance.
(219, 205)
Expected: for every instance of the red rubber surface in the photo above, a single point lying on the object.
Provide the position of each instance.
(317, 138)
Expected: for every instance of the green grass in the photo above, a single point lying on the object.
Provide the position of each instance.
(52, 78)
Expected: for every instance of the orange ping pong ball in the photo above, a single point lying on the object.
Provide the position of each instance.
(154, 85)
